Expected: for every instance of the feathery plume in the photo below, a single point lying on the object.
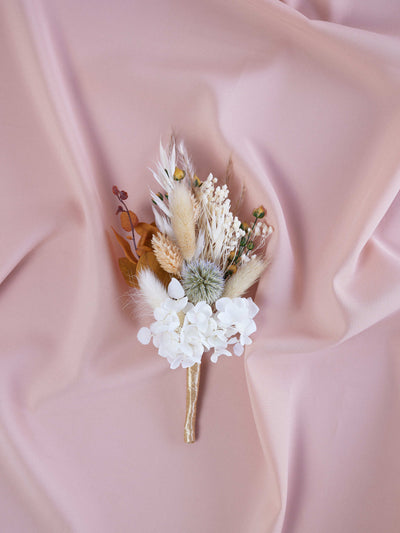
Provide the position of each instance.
(163, 223)
(247, 274)
(167, 254)
(151, 288)
(182, 220)
(184, 160)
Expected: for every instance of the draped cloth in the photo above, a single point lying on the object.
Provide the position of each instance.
(302, 433)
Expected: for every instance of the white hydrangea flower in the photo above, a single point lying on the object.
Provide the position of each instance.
(238, 313)
(182, 332)
(200, 315)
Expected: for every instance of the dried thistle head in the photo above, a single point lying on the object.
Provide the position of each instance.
(203, 281)
(167, 254)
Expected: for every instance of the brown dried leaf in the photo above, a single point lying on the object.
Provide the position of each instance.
(125, 246)
(142, 228)
(148, 260)
(128, 270)
(146, 232)
(142, 249)
(125, 223)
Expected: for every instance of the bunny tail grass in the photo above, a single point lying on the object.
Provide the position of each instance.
(151, 289)
(246, 275)
(182, 220)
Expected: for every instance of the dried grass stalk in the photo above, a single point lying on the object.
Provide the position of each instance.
(229, 172)
(183, 220)
(246, 275)
(167, 253)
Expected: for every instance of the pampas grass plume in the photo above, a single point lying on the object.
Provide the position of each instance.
(151, 289)
(246, 275)
(182, 220)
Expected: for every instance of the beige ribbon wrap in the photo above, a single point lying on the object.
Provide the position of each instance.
(192, 394)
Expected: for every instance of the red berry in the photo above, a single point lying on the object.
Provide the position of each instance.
(123, 195)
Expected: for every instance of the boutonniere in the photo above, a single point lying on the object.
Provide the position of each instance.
(192, 267)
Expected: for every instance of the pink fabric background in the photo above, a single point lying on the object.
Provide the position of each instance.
(302, 435)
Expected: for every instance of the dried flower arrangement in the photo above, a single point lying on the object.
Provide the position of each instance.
(191, 267)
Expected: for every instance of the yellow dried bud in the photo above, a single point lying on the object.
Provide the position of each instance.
(179, 174)
(259, 212)
(231, 270)
(197, 181)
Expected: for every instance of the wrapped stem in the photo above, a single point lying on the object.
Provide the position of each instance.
(192, 394)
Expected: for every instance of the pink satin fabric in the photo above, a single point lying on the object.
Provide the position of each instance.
(302, 434)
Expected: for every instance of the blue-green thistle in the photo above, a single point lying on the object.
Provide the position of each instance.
(203, 281)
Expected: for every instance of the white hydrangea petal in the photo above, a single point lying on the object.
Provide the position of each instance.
(217, 353)
(252, 307)
(238, 349)
(188, 307)
(176, 305)
(160, 313)
(250, 328)
(222, 303)
(144, 335)
(181, 304)
(175, 363)
(175, 289)
(214, 357)
(156, 342)
(244, 340)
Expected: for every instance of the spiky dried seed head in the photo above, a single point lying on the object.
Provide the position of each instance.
(203, 281)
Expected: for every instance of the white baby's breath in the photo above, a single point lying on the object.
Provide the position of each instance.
(221, 228)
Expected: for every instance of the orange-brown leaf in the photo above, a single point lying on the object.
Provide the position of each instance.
(142, 249)
(125, 223)
(146, 232)
(142, 228)
(125, 246)
(148, 260)
(128, 270)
